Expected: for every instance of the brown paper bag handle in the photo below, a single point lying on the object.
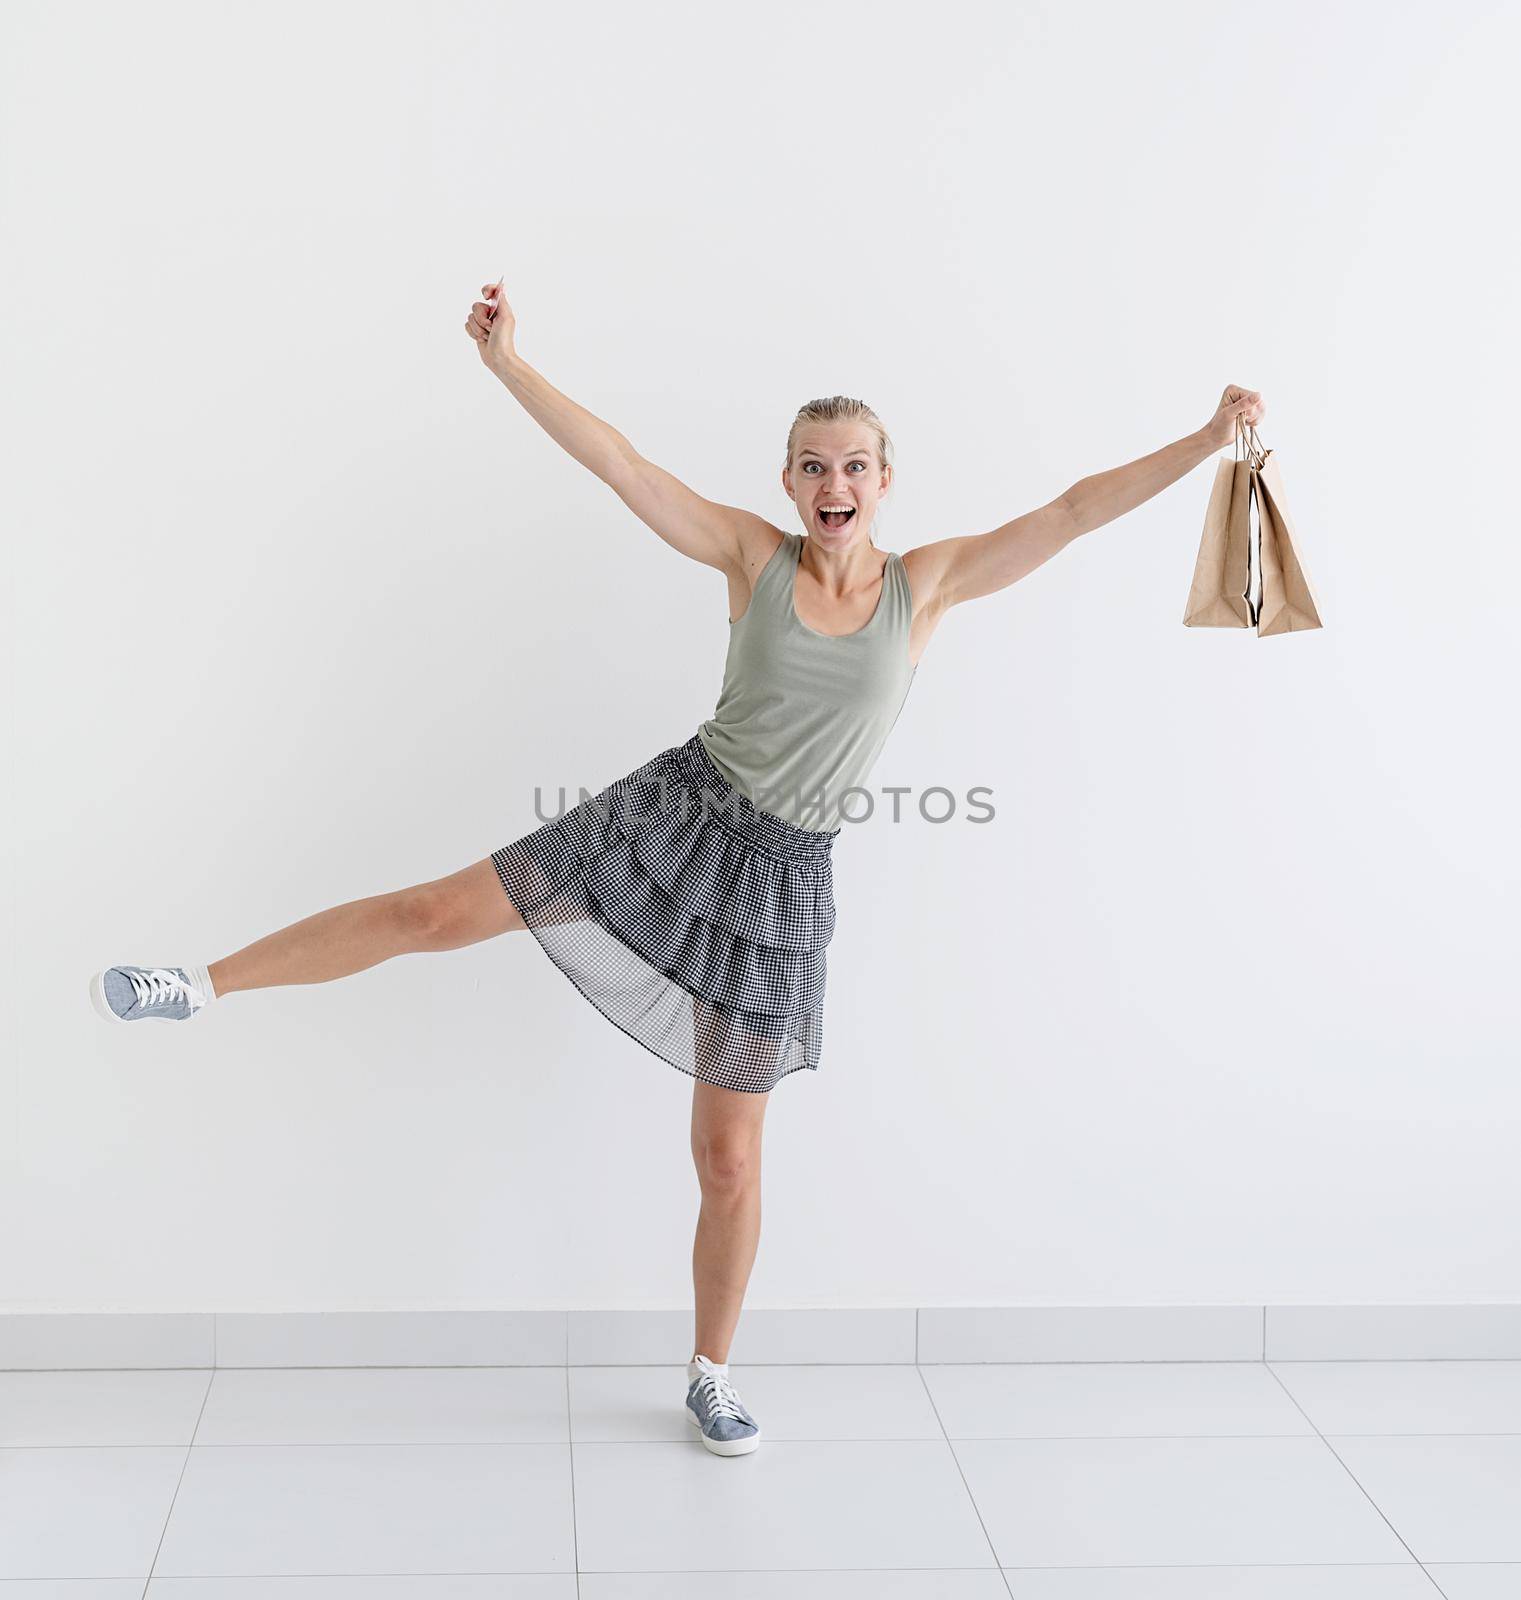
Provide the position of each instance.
(1249, 445)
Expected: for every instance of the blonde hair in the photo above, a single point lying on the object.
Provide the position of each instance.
(841, 408)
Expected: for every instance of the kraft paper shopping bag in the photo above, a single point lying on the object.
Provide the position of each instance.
(1220, 595)
(1288, 602)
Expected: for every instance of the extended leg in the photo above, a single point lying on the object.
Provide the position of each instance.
(444, 914)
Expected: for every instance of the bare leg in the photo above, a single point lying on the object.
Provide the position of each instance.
(726, 1146)
(442, 915)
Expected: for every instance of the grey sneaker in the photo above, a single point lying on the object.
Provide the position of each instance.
(130, 994)
(713, 1406)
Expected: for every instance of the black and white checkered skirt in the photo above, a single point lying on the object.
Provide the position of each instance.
(694, 921)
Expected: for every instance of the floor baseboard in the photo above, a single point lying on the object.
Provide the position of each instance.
(51, 1340)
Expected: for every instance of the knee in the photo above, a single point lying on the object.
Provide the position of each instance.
(424, 914)
(727, 1169)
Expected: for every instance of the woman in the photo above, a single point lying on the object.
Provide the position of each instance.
(691, 901)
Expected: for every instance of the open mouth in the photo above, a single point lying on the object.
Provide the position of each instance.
(836, 519)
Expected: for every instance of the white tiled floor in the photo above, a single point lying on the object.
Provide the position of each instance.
(1281, 1480)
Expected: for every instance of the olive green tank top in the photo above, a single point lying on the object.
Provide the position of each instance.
(802, 716)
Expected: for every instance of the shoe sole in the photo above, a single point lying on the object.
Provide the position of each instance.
(723, 1447)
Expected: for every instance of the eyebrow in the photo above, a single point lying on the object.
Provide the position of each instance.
(853, 453)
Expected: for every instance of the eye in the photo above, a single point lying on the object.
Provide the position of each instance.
(860, 464)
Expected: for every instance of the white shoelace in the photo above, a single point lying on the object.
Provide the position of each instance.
(158, 985)
(719, 1394)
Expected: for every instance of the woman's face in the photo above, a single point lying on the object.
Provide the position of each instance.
(835, 464)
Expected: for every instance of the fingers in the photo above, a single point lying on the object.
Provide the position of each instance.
(478, 323)
(1247, 411)
(483, 313)
(1239, 406)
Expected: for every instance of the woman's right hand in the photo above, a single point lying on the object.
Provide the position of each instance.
(1235, 402)
(492, 325)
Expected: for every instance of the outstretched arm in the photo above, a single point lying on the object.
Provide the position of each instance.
(702, 529)
(981, 564)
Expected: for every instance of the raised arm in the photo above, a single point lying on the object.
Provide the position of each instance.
(716, 535)
(979, 564)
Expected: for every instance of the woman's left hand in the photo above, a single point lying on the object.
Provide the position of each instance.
(1235, 402)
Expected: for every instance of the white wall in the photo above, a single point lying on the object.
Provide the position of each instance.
(303, 606)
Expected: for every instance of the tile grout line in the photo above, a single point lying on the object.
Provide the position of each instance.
(961, 1471)
(1353, 1476)
(994, 1361)
(570, 1437)
(823, 1438)
(184, 1468)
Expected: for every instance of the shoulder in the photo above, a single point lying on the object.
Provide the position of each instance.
(926, 566)
(759, 540)
(756, 546)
